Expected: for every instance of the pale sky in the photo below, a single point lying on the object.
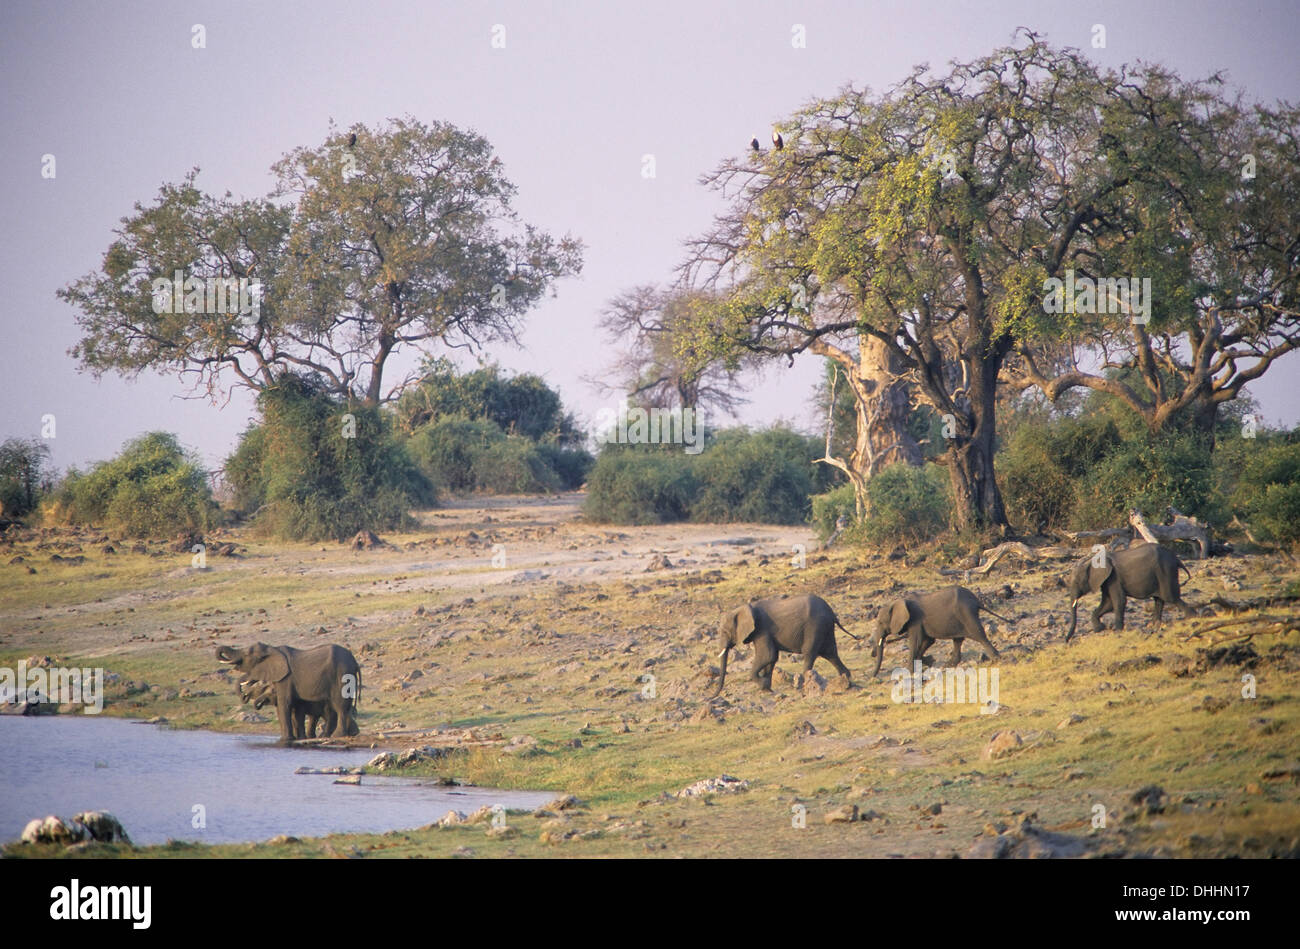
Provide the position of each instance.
(579, 94)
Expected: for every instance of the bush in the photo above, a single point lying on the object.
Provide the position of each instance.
(761, 477)
(907, 504)
(25, 475)
(316, 468)
(828, 508)
(630, 486)
(474, 454)
(1267, 495)
(1150, 473)
(154, 488)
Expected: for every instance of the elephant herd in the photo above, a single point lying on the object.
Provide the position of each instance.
(309, 686)
(805, 625)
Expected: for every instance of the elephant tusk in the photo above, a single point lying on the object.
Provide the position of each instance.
(721, 654)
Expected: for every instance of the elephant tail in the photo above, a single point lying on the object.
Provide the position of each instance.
(985, 607)
(1183, 567)
(846, 632)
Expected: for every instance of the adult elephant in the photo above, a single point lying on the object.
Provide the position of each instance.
(800, 624)
(1147, 571)
(325, 674)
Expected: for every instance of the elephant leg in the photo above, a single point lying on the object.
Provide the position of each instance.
(1121, 598)
(956, 652)
(1157, 610)
(1104, 607)
(297, 729)
(832, 655)
(765, 656)
(284, 708)
(975, 632)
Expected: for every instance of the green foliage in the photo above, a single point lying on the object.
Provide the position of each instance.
(1267, 496)
(317, 468)
(640, 487)
(154, 488)
(907, 504)
(761, 477)
(25, 475)
(828, 508)
(483, 431)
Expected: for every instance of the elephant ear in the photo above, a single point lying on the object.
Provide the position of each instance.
(271, 669)
(900, 614)
(746, 624)
(1099, 575)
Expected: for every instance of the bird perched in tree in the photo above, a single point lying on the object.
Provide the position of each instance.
(777, 140)
(352, 139)
(753, 143)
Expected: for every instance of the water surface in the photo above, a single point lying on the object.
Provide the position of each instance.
(151, 777)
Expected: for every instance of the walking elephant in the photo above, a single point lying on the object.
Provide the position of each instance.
(951, 613)
(1147, 571)
(800, 624)
(329, 675)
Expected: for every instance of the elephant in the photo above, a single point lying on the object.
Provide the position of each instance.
(263, 693)
(799, 624)
(951, 613)
(328, 675)
(1147, 571)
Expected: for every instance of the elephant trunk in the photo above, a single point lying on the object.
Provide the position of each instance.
(722, 679)
(1074, 618)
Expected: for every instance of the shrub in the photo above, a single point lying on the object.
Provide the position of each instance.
(633, 486)
(1267, 495)
(907, 504)
(314, 473)
(153, 488)
(829, 507)
(25, 475)
(474, 454)
(761, 477)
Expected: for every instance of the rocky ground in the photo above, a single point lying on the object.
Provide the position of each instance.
(508, 643)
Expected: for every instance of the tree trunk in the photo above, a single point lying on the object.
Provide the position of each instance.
(976, 497)
(882, 411)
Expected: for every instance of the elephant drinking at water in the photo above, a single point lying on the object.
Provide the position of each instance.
(328, 675)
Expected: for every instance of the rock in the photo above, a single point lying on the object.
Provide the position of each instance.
(1238, 654)
(452, 818)
(658, 562)
(804, 729)
(1028, 842)
(1002, 743)
(103, 827)
(810, 683)
(504, 832)
(366, 540)
(484, 813)
(723, 784)
(185, 543)
(349, 779)
(1072, 719)
(566, 802)
(846, 814)
(1151, 799)
(280, 839)
(53, 830)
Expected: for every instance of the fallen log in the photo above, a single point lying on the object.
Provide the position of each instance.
(990, 557)
(1183, 528)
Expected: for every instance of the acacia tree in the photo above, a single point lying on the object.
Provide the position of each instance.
(1215, 205)
(374, 241)
(928, 219)
(658, 366)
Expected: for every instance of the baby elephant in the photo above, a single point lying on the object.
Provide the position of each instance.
(800, 624)
(1147, 571)
(948, 614)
